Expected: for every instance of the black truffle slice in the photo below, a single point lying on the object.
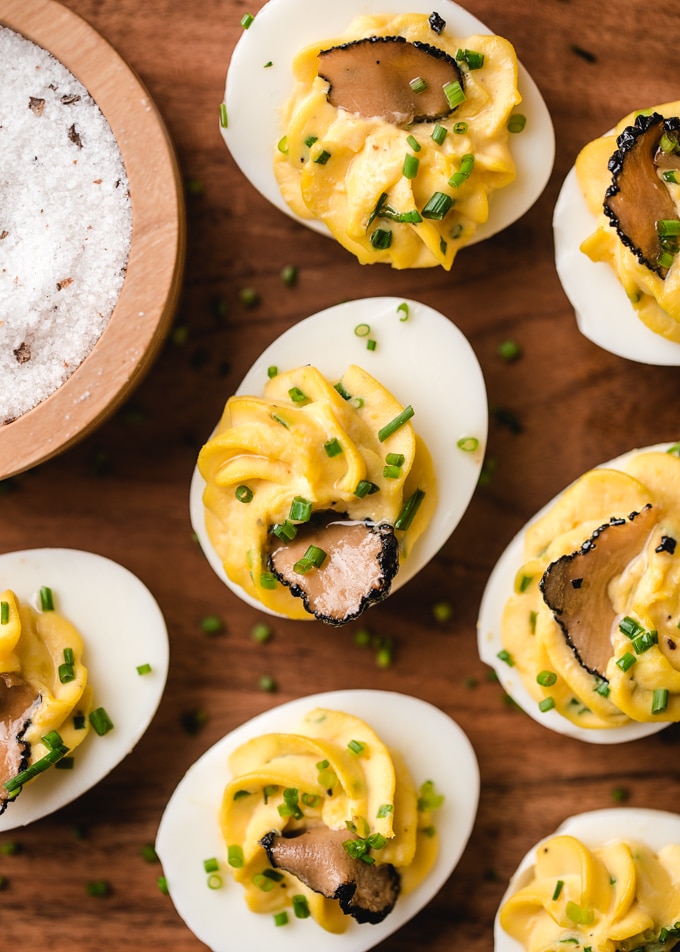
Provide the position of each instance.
(359, 564)
(575, 586)
(390, 78)
(638, 198)
(17, 701)
(367, 892)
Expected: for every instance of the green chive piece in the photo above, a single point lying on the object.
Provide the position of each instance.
(272, 371)
(626, 661)
(149, 853)
(467, 164)
(403, 311)
(516, 123)
(68, 656)
(668, 227)
(471, 58)
(356, 746)
(460, 128)
(300, 509)
(235, 856)
(362, 330)
(249, 297)
(341, 390)
(261, 633)
(579, 915)
(244, 494)
(301, 907)
(428, 798)
(289, 275)
(144, 668)
(310, 140)
(386, 431)
(629, 627)
(546, 678)
(468, 444)
(409, 510)
(454, 94)
(413, 142)
(670, 175)
(371, 344)
(395, 459)
(365, 488)
(322, 158)
(52, 740)
(410, 167)
(212, 624)
(558, 889)
(660, 701)
(385, 809)
(100, 721)
(669, 142)
(391, 472)
(162, 884)
(547, 704)
(267, 683)
(211, 865)
(438, 206)
(418, 84)
(285, 531)
(246, 20)
(296, 395)
(381, 238)
(242, 794)
(46, 599)
(357, 402)
(282, 145)
(215, 881)
(509, 350)
(224, 122)
(98, 887)
(313, 558)
(281, 918)
(506, 657)
(4, 613)
(66, 673)
(439, 133)
(268, 580)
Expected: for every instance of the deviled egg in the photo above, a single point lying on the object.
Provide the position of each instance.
(580, 615)
(400, 165)
(373, 424)
(84, 659)
(196, 858)
(604, 879)
(615, 259)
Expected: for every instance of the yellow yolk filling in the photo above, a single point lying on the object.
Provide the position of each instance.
(647, 590)
(655, 299)
(274, 446)
(343, 775)
(367, 154)
(614, 898)
(32, 645)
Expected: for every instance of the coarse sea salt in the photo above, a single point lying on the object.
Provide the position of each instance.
(65, 224)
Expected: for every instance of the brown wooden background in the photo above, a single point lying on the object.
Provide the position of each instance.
(564, 406)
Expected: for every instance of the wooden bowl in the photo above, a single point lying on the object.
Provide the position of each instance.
(150, 291)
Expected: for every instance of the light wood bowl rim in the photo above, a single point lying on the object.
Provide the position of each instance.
(150, 291)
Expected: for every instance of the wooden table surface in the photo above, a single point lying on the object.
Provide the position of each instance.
(564, 406)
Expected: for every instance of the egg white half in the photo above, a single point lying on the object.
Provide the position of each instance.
(604, 313)
(499, 588)
(434, 748)
(424, 361)
(255, 94)
(654, 828)
(121, 626)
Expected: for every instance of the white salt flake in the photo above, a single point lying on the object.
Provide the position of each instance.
(65, 224)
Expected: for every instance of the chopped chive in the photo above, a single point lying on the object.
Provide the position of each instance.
(46, 599)
(246, 20)
(224, 122)
(289, 275)
(235, 856)
(438, 206)
(78, 722)
(341, 390)
(629, 627)
(274, 874)
(381, 238)
(357, 402)
(267, 683)
(268, 64)
(211, 865)
(52, 740)
(579, 914)
(365, 488)
(296, 395)
(558, 889)
(669, 142)
(356, 747)
(149, 854)
(460, 128)
(362, 330)
(371, 344)
(249, 297)
(418, 84)
(509, 350)
(282, 145)
(506, 657)
(516, 123)
(403, 311)
(268, 580)
(300, 509)
(385, 809)
(212, 624)
(454, 94)
(409, 218)
(144, 668)
(272, 371)
(409, 510)
(68, 655)
(442, 611)
(467, 164)
(413, 142)
(100, 721)
(468, 444)
(386, 431)
(322, 158)
(241, 794)
(310, 140)
(4, 613)
(162, 884)
(98, 887)
(660, 701)
(263, 882)
(626, 661)
(391, 472)
(313, 558)
(66, 673)
(281, 918)
(261, 633)
(410, 167)
(546, 678)
(439, 133)
(244, 494)
(670, 175)
(285, 531)
(547, 704)
(395, 459)
(667, 227)
(471, 58)
(301, 907)
(602, 688)
(214, 881)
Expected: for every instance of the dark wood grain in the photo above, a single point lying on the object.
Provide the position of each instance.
(123, 492)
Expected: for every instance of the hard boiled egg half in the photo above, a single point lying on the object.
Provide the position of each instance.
(125, 652)
(425, 362)
(260, 81)
(433, 746)
(507, 579)
(655, 829)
